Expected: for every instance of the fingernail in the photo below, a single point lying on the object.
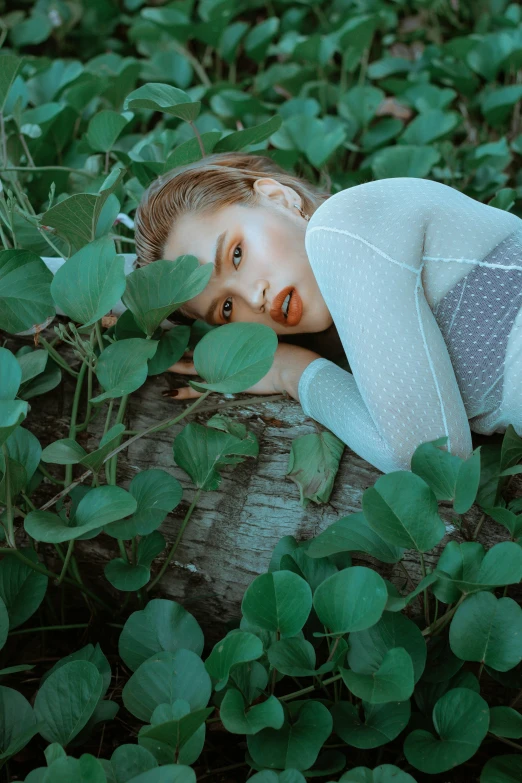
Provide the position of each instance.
(171, 393)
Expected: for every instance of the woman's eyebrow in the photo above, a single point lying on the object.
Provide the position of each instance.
(218, 266)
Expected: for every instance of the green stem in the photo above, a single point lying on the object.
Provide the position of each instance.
(99, 336)
(425, 591)
(66, 561)
(311, 688)
(49, 241)
(479, 526)
(9, 503)
(47, 475)
(200, 142)
(113, 464)
(50, 628)
(123, 446)
(176, 542)
(123, 551)
(74, 415)
(437, 626)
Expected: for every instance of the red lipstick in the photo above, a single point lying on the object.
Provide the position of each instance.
(295, 307)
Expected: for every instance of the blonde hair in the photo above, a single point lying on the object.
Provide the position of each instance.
(205, 186)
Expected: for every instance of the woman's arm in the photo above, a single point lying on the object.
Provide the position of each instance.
(366, 247)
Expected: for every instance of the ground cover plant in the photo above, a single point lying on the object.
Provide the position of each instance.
(331, 671)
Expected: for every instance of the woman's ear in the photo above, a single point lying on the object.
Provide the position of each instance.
(272, 190)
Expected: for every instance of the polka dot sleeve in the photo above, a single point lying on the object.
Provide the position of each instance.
(367, 246)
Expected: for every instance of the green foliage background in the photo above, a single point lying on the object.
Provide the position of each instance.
(332, 671)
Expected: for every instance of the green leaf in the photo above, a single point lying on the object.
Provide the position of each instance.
(237, 647)
(86, 769)
(63, 452)
(350, 600)
(295, 657)
(32, 364)
(157, 493)
(91, 654)
(279, 601)
(164, 98)
(382, 723)
(99, 507)
(430, 126)
(511, 521)
(353, 534)
(313, 464)
(237, 720)
(17, 480)
(488, 629)
(18, 724)
(149, 547)
(12, 413)
(173, 726)
(90, 283)
(386, 773)
(9, 68)
(162, 625)
(258, 39)
(502, 769)
(126, 576)
(368, 648)
(505, 722)
(108, 442)
(397, 602)
(295, 745)
(245, 351)
(402, 509)
(154, 291)
(171, 347)
(127, 761)
(48, 380)
(4, 623)
(164, 678)
(25, 290)
(450, 477)
(104, 129)
(75, 218)
(461, 719)
(403, 160)
(391, 682)
(21, 587)
(201, 451)
(67, 699)
(122, 367)
(10, 375)
(501, 565)
(170, 773)
(238, 140)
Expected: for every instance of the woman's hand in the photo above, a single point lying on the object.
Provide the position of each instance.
(289, 363)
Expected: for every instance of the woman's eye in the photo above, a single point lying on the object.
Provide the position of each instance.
(227, 313)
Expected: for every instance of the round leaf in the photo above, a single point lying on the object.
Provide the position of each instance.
(165, 677)
(164, 98)
(386, 773)
(21, 587)
(10, 374)
(157, 493)
(488, 629)
(25, 291)
(126, 576)
(368, 648)
(237, 647)
(392, 681)
(122, 367)
(17, 722)
(382, 723)
(351, 600)
(238, 720)
(279, 601)
(503, 769)
(461, 718)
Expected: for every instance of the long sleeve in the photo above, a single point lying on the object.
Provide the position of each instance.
(367, 247)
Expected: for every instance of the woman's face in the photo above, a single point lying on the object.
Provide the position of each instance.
(262, 253)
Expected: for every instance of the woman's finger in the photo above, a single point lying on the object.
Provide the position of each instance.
(184, 368)
(183, 393)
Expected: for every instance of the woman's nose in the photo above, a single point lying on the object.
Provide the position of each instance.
(258, 293)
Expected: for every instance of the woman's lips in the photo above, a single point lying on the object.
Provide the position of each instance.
(295, 307)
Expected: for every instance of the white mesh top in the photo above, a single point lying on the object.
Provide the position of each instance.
(424, 285)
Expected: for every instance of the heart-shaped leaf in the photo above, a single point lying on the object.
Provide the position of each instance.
(502, 769)
(10, 374)
(386, 773)
(461, 719)
(126, 576)
(238, 720)
(237, 647)
(391, 682)
(505, 722)
(488, 629)
(19, 721)
(382, 723)
(157, 493)
(350, 600)
(12, 413)
(279, 601)
(104, 129)
(475, 571)
(165, 98)
(313, 464)
(164, 678)
(450, 477)
(21, 587)
(127, 761)
(162, 625)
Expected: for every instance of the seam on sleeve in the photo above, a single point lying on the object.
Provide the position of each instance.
(365, 242)
(472, 261)
(418, 288)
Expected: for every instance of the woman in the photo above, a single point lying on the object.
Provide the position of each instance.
(423, 283)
